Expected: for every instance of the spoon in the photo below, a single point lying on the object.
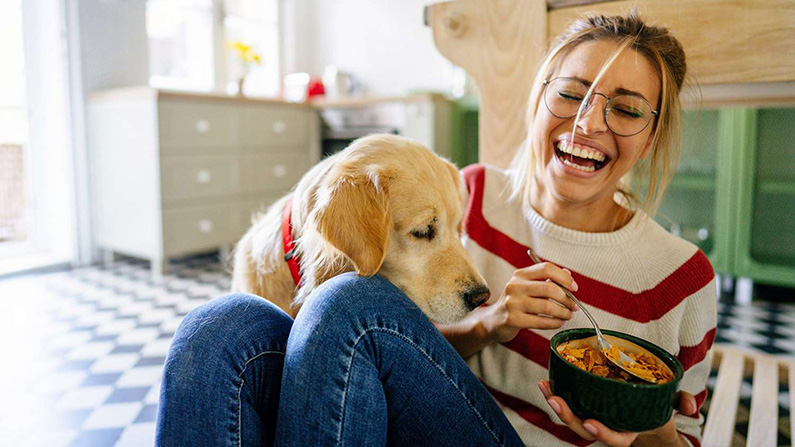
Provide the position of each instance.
(605, 346)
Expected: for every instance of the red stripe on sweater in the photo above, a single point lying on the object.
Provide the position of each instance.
(642, 307)
(693, 440)
(700, 398)
(537, 417)
(690, 355)
(531, 346)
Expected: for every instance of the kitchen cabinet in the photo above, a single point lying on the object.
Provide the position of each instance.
(734, 192)
(175, 174)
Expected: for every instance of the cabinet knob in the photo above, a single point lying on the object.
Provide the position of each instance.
(202, 126)
(279, 126)
(203, 176)
(206, 226)
(280, 171)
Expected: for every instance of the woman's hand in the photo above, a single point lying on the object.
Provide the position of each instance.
(592, 429)
(530, 300)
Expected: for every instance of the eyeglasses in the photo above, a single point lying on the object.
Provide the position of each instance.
(625, 114)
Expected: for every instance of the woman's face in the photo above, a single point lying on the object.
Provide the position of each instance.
(597, 181)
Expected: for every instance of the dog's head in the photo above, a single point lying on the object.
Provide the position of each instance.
(391, 206)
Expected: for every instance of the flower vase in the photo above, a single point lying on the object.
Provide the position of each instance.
(240, 83)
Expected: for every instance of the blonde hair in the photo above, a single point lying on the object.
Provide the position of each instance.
(665, 52)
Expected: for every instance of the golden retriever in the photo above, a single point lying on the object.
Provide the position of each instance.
(385, 205)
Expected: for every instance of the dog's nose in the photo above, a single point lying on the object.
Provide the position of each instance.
(476, 296)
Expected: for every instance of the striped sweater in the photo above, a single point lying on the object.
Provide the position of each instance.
(639, 279)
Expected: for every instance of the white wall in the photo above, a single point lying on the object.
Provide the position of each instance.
(108, 47)
(383, 42)
(114, 49)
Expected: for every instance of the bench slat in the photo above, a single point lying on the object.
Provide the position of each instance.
(719, 428)
(763, 420)
(792, 402)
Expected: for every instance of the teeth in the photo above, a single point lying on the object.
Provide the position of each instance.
(580, 151)
(576, 166)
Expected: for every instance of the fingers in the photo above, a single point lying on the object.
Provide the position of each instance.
(687, 403)
(609, 436)
(543, 289)
(560, 408)
(589, 429)
(548, 270)
(526, 320)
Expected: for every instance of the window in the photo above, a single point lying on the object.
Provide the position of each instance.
(188, 44)
(15, 207)
(255, 23)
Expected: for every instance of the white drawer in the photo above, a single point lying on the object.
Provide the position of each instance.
(273, 126)
(272, 172)
(248, 208)
(193, 177)
(197, 126)
(189, 230)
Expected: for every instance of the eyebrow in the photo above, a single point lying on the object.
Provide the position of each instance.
(427, 216)
(620, 91)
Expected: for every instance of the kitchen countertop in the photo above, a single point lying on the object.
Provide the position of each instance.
(318, 102)
(140, 92)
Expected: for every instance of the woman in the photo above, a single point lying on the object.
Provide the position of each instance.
(365, 367)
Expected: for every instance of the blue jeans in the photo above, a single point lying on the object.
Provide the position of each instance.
(363, 366)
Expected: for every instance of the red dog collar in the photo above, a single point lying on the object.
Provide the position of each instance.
(293, 261)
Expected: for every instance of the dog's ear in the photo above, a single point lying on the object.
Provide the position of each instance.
(355, 218)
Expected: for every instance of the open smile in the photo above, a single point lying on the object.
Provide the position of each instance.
(580, 157)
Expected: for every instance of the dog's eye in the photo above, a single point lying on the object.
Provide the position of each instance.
(428, 233)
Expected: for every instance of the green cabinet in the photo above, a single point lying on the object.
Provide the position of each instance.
(734, 192)
(465, 131)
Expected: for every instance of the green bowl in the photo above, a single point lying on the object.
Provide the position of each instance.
(635, 407)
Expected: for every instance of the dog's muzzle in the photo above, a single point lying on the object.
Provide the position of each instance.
(476, 296)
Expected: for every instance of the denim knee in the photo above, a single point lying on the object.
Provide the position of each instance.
(356, 295)
(232, 326)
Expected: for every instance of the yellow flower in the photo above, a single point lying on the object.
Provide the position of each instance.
(245, 52)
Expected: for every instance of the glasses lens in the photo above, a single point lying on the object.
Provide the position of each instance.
(628, 114)
(563, 96)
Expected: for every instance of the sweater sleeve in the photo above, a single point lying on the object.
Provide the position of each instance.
(696, 335)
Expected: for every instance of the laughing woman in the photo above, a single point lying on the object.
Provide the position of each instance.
(605, 102)
(364, 366)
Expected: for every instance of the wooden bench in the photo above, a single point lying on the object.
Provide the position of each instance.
(767, 371)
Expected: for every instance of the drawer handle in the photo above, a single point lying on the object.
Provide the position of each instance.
(203, 176)
(279, 126)
(202, 126)
(206, 226)
(280, 171)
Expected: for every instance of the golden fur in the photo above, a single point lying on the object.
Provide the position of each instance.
(384, 205)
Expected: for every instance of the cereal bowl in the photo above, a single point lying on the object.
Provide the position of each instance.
(620, 405)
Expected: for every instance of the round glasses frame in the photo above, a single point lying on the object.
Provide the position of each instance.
(607, 109)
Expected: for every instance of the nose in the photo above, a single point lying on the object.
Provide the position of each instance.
(476, 296)
(593, 119)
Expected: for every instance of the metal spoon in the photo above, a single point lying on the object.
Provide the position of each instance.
(604, 345)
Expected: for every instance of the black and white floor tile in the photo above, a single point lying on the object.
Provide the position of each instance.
(764, 326)
(83, 350)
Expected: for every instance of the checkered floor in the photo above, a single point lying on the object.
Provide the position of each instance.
(83, 350)
(86, 371)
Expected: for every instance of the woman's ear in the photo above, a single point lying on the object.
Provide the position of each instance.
(354, 217)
